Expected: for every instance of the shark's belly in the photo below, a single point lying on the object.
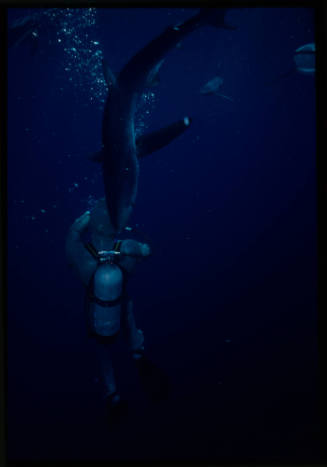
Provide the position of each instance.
(120, 175)
(120, 164)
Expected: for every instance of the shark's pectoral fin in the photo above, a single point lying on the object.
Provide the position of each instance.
(109, 76)
(158, 139)
(152, 142)
(97, 156)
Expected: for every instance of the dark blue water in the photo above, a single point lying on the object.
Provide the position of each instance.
(227, 302)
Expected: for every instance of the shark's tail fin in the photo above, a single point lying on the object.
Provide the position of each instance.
(215, 17)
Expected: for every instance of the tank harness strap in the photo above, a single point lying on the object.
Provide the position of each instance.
(117, 245)
(92, 250)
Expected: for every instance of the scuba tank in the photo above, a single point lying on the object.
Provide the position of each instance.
(106, 293)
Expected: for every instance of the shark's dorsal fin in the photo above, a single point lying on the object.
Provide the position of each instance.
(109, 76)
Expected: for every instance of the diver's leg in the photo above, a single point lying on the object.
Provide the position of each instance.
(105, 323)
(104, 315)
(154, 381)
(133, 335)
(104, 357)
(115, 406)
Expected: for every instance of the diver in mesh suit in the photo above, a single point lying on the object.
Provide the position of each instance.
(103, 265)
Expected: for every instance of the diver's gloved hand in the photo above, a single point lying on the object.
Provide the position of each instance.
(145, 249)
(81, 222)
(134, 248)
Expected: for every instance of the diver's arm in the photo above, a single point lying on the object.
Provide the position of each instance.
(132, 252)
(77, 255)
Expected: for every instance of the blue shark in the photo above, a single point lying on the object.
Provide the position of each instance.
(120, 147)
(305, 59)
(304, 62)
(213, 86)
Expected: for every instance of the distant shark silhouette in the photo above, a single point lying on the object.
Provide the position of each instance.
(305, 59)
(120, 147)
(24, 31)
(212, 87)
(30, 31)
(304, 62)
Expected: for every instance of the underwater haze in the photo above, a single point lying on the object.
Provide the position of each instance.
(228, 300)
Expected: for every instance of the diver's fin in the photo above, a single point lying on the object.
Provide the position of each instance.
(109, 76)
(158, 139)
(215, 17)
(97, 156)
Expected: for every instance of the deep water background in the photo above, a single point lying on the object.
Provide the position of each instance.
(228, 300)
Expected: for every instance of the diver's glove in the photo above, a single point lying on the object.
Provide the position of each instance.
(133, 248)
(145, 249)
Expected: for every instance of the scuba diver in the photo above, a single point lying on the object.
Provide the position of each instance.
(103, 265)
